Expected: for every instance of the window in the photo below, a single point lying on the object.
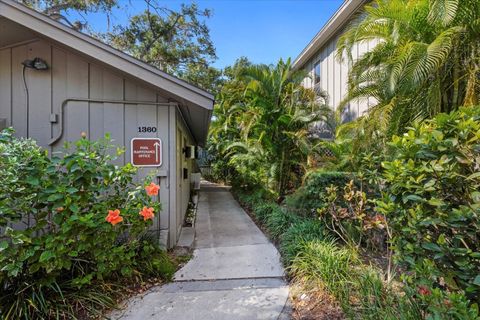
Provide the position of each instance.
(316, 73)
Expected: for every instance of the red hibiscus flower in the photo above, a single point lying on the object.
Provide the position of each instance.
(114, 217)
(147, 213)
(152, 189)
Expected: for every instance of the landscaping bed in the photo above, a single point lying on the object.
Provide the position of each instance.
(75, 231)
(388, 250)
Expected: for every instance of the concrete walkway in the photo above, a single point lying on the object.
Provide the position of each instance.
(235, 272)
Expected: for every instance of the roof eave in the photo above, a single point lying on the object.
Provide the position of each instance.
(340, 18)
(98, 50)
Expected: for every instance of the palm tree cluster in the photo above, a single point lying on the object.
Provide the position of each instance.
(426, 61)
(262, 122)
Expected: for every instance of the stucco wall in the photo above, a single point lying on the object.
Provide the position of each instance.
(72, 76)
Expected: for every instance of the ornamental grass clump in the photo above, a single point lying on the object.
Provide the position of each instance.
(292, 241)
(70, 225)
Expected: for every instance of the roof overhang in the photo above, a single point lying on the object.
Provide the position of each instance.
(188, 95)
(338, 21)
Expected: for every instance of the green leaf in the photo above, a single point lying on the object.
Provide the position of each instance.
(55, 197)
(74, 208)
(33, 181)
(46, 255)
(72, 190)
(412, 197)
(473, 176)
(476, 281)
(3, 245)
(73, 253)
(436, 202)
(441, 239)
(431, 246)
(476, 196)
(438, 135)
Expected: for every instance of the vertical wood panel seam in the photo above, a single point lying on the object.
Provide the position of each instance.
(51, 96)
(27, 93)
(89, 96)
(124, 123)
(11, 87)
(159, 226)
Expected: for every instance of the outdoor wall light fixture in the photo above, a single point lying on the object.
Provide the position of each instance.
(37, 64)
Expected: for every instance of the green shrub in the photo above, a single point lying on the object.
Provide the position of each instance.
(350, 216)
(436, 303)
(62, 243)
(299, 233)
(263, 209)
(279, 221)
(250, 199)
(433, 201)
(309, 197)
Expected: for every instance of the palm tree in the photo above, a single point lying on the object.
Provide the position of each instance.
(427, 61)
(263, 122)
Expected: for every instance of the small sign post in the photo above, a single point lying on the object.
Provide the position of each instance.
(146, 152)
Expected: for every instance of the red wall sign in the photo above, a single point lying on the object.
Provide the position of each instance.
(146, 152)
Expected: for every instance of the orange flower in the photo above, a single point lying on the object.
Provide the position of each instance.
(152, 189)
(114, 217)
(147, 213)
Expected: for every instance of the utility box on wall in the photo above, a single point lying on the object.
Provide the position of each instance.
(56, 83)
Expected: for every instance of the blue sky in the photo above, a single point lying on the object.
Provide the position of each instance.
(262, 30)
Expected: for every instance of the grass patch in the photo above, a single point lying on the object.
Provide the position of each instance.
(293, 240)
(358, 288)
(279, 221)
(324, 263)
(263, 209)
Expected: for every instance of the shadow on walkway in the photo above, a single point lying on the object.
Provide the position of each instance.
(235, 272)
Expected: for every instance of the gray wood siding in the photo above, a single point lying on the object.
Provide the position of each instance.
(183, 185)
(72, 76)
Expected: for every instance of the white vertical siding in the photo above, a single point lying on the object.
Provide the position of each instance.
(334, 76)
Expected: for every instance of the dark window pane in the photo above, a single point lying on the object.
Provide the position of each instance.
(317, 73)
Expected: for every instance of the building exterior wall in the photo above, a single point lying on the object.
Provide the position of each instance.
(70, 75)
(183, 183)
(334, 76)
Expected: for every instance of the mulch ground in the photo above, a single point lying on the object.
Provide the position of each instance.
(313, 304)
